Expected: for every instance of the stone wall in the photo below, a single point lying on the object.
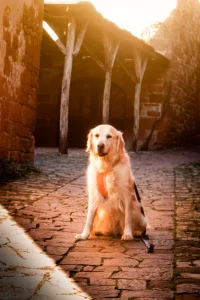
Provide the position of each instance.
(176, 91)
(20, 39)
(154, 113)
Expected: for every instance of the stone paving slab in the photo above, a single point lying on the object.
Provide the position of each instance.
(187, 242)
(41, 214)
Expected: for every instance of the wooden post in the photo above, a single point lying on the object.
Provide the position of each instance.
(106, 96)
(71, 49)
(140, 67)
(111, 48)
(80, 39)
(132, 76)
(64, 105)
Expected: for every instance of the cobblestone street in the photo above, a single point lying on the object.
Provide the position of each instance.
(41, 214)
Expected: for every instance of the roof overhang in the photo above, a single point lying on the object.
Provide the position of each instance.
(82, 9)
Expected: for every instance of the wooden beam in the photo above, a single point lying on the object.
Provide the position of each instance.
(54, 37)
(64, 105)
(140, 67)
(110, 48)
(94, 57)
(61, 46)
(80, 38)
(132, 76)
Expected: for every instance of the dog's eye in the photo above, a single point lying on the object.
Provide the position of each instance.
(109, 136)
(97, 135)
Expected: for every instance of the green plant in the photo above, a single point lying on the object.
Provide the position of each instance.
(11, 170)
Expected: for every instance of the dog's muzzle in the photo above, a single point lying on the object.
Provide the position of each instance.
(100, 149)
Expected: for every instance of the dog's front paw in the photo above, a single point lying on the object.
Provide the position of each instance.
(80, 237)
(127, 237)
(137, 233)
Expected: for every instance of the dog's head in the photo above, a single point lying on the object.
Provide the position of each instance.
(105, 140)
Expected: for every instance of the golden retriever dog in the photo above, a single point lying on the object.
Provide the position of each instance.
(113, 208)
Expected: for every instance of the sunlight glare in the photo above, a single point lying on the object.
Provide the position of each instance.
(25, 264)
(50, 31)
(132, 15)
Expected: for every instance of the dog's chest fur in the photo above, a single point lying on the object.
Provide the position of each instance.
(110, 189)
(106, 183)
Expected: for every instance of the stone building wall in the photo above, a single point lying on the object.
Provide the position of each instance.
(176, 91)
(154, 123)
(20, 39)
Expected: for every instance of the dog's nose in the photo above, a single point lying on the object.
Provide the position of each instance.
(100, 146)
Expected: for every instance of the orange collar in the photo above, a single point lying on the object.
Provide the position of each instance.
(101, 184)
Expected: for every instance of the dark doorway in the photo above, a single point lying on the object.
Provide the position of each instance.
(85, 110)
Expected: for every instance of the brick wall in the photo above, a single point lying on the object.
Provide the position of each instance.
(20, 38)
(177, 89)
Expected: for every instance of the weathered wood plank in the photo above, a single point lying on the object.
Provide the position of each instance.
(64, 105)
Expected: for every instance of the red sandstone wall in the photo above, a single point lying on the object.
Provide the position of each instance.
(20, 38)
(178, 38)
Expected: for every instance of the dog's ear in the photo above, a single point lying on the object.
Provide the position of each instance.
(120, 142)
(89, 142)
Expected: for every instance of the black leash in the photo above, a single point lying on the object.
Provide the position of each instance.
(144, 238)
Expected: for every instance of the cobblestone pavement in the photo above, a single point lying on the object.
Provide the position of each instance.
(51, 208)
